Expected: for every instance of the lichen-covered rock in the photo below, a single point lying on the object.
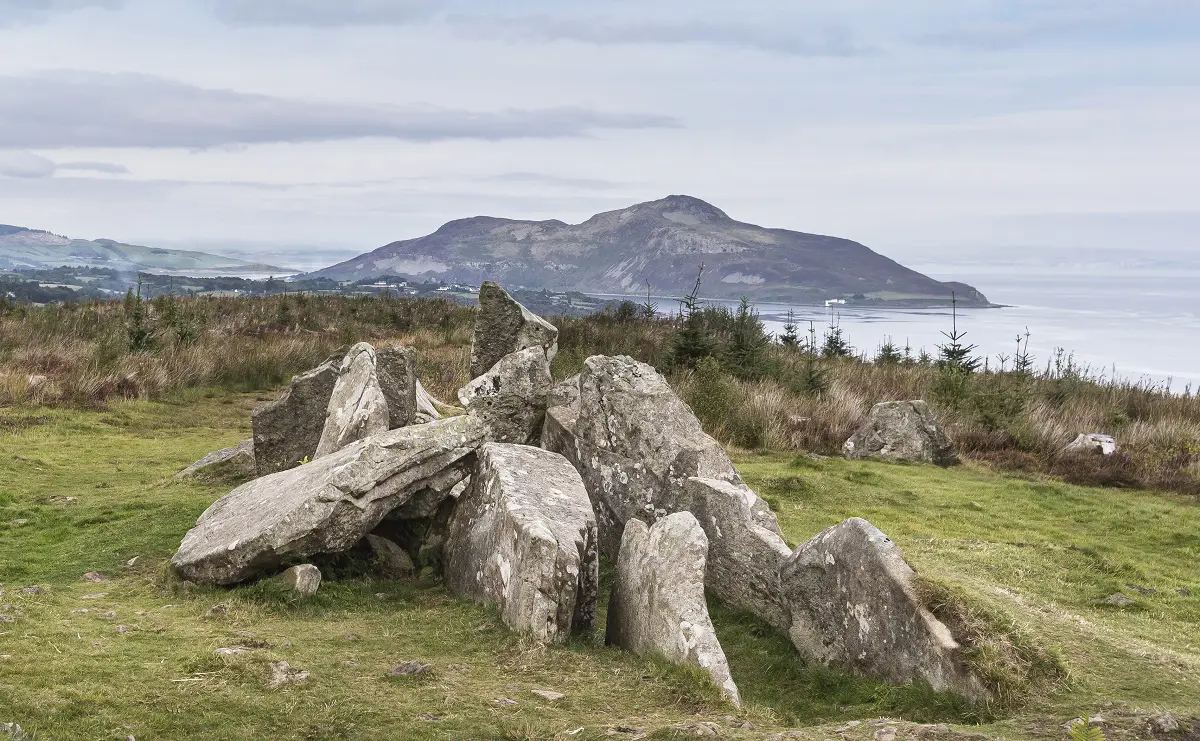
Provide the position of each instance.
(231, 463)
(503, 326)
(325, 506)
(902, 430)
(396, 368)
(390, 559)
(304, 580)
(523, 538)
(637, 443)
(1091, 442)
(287, 431)
(357, 408)
(745, 548)
(854, 605)
(558, 432)
(511, 396)
(657, 603)
(564, 393)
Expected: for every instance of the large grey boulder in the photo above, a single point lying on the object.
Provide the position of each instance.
(357, 408)
(854, 605)
(657, 603)
(235, 462)
(511, 396)
(637, 443)
(287, 431)
(396, 368)
(1091, 442)
(325, 506)
(745, 548)
(564, 393)
(523, 538)
(902, 430)
(503, 326)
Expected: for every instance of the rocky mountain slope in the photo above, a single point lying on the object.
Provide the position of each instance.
(22, 248)
(661, 243)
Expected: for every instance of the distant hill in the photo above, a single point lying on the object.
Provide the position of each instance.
(22, 248)
(661, 243)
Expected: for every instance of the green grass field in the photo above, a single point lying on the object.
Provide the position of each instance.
(86, 491)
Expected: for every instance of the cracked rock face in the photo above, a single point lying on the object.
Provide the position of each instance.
(523, 538)
(902, 430)
(357, 408)
(235, 462)
(745, 548)
(287, 431)
(325, 506)
(657, 603)
(511, 396)
(503, 326)
(853, 605)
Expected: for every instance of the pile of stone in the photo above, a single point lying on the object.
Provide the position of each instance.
(524, 489)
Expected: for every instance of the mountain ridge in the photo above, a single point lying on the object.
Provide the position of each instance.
(661, 243)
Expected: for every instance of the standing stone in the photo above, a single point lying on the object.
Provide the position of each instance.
(511, 396)
(745, 548)
(357, 408)
(854, 605)
(397, 371)
(902, 430)
(287, 431)
(304, 580)
(325, 506)
(235, 462)
(523, 538)
(503, 326)
(657, 603)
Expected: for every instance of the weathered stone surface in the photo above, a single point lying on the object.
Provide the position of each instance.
(426, 404)
(397, 371)
(511, 396)
(503, 326)
(902, 430)
(287, 431)
(523, 537)
(357, 408)
(745, 548)
(1090, 442)
(325, 506)
(565, 393)
(637, 443)
(657, 603)
(304, 579)
(558, 432)
(235, 462)
(854, 605)
(391, 560)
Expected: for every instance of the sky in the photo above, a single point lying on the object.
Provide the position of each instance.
(297, 128)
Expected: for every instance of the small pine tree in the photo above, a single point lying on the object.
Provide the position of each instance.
(136, 327)
(692, 342)
(790, 337)
(812, 378)
(835, 345)
(650, 308)
(888, 354)
(956, 355)
(1023, 361)
(748, 343)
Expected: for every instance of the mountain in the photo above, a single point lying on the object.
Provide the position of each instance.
(22, 248)
(661, 243)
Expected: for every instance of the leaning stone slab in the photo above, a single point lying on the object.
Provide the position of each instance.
(357, 408)
(657, 603)
(287, 431)
(325, 506)
(396, 368)
(745, 548)
(235, 462)
(854, 605)
(523, 538)
(511, 396)
(503, 326)
(902, 430)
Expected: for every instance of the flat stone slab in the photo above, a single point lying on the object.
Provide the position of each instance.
(657, 603)
(234, 462)
(854, 605)
(523, 538)
(325, 506)
(503, 326)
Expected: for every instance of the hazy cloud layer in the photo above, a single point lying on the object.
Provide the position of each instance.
(13, 12)
(323, 12)
(25, 164)
(82, 109)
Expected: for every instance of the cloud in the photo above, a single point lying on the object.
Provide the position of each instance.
(556, 181)
(13, 12)
(323, 12)
(25, 165)
(92, 109)
(783, 38)
(108, 168)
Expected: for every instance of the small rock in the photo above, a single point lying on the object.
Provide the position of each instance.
(217, 611)
(100, 595)
(1117, 600)
(304, 580)
(885, 734)
(1163, 724)
(110, 615)
(132, 562)
(1144, 591)
(409, 669)
(1183, 592)
(548, 695)
(95, 577)
(5, 657)
(282, 673)
(34, 590)
(390, 559)
(7, 618)
(233, 651)
(429, 717)
(848, 726)
(18, 522)
(381, 595)
(123, 629)
(84, 611)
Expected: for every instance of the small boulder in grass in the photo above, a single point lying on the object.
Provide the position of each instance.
(94, 577)
(410, 669)
(282, 673)
(1091, 443)
(304, 580)
(548, 695)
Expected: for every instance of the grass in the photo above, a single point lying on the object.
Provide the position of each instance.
(94, 489)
